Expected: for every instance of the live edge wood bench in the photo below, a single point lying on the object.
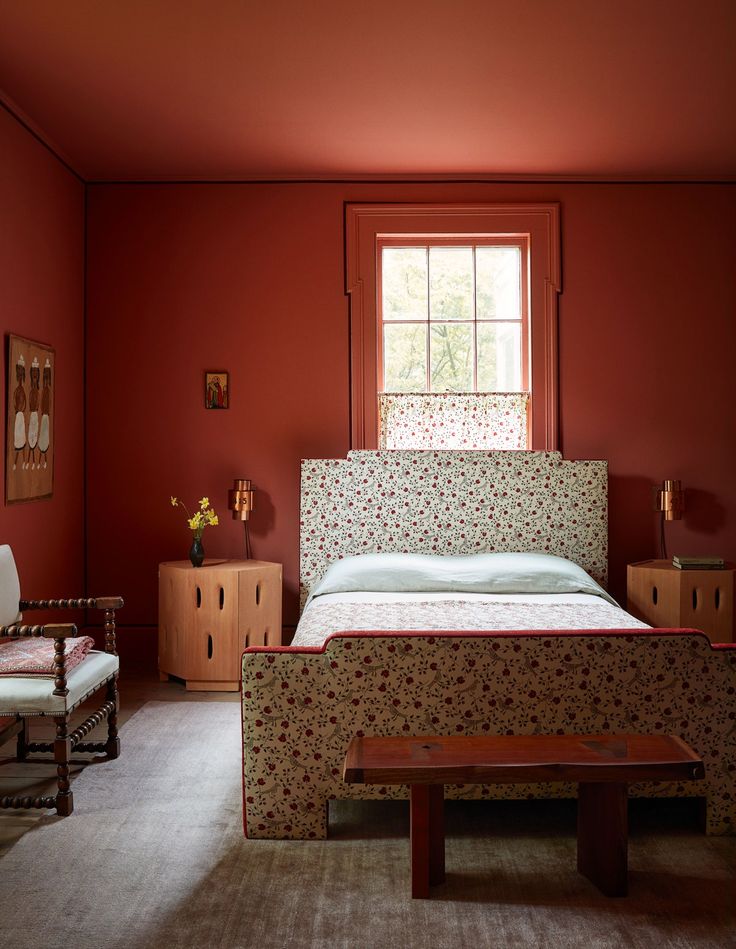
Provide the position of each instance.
(603, 767)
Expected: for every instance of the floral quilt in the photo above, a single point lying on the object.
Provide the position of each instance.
(321, 620)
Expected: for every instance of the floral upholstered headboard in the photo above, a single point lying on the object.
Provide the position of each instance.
(452, 502)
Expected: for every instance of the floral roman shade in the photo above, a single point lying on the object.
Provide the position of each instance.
(437, 420)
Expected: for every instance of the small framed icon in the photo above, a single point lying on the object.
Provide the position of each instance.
(216, 389)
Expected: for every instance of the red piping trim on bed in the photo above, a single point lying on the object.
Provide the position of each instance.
(500, 633)
(242, 751)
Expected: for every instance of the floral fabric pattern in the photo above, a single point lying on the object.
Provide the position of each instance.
(465, 420)
(452, 503)
(321, 620)
(302, 707)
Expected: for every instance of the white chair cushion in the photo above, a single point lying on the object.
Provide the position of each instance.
(9, 587)
(34, 695)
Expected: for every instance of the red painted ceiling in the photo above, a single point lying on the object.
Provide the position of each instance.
(234, 89)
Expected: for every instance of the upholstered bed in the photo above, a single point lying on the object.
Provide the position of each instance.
(413, 592)
(411, 626)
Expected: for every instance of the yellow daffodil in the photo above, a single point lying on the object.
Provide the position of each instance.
(202, 518)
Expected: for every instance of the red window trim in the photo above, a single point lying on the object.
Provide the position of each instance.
(366, 224)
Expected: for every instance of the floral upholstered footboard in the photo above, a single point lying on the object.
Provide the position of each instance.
(302, 706)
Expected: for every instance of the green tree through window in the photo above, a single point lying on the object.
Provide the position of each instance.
(452, 318)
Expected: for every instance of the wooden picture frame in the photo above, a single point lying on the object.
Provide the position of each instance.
(216, 389)
(29, 438)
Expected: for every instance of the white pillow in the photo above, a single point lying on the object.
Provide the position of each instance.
(473, 573)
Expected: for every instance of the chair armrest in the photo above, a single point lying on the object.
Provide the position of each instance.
(107, 603)
(49, 631)
(76, 603)
(56, 631)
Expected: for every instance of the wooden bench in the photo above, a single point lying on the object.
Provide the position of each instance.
(603, 767)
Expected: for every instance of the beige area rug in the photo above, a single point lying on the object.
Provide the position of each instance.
(154, 856)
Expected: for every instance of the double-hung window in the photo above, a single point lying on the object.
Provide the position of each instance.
(453, 342)
(453, 315)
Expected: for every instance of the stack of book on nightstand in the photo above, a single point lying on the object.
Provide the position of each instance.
(698, 563)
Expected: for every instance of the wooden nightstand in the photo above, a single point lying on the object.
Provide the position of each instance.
(208, 615)
(663, 595)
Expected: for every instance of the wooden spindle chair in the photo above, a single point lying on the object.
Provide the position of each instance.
(33, 697)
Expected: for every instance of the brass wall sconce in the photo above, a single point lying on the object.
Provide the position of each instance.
(240, 502)
(669, 500)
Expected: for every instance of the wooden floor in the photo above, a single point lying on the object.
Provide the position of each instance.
(38, 775)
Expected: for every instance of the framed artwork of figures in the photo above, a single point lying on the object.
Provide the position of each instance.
(29, 445)
(216, 389)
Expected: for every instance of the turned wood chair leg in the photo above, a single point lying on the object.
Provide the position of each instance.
(62, 756)
(21, 752)
(112, 745)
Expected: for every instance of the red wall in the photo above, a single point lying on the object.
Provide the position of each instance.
(42, 281)
(249, 278)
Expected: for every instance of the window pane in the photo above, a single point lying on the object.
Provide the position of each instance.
(405, 358)
(451, 358)
(404, 280)
(451, 283)
(498, 283)
(499, 357)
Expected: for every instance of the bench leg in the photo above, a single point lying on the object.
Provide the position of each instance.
(436, 834)
(603, 835)
(427, 832)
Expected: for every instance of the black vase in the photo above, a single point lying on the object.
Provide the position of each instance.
(196, 552)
